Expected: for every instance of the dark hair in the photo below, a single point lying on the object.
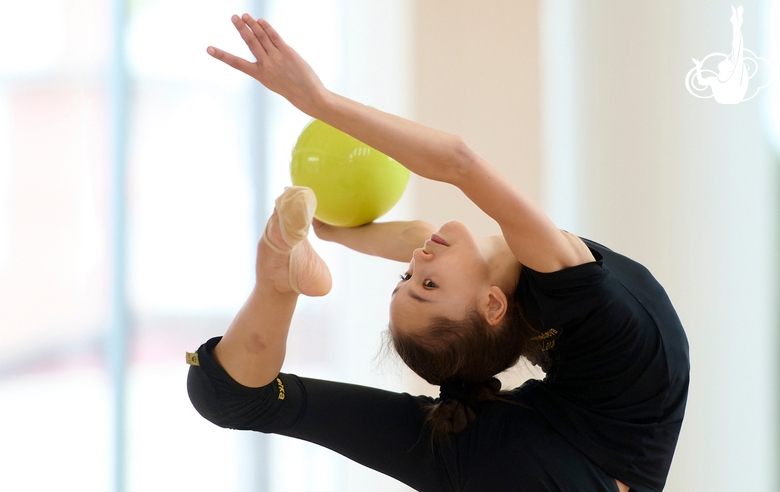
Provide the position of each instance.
(464, 356)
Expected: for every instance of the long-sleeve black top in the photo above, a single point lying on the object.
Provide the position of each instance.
(610, 406)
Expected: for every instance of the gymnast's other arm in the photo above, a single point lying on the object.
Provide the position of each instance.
(430, 153)
(395, 240)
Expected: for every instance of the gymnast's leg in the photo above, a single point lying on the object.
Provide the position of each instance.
(253, 348)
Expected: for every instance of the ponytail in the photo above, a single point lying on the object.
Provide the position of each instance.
(463, 357)
(457, 401)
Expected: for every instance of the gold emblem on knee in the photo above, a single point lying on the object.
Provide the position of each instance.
(192, 359)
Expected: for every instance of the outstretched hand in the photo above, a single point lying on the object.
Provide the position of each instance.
(278, 67)
(321, 229)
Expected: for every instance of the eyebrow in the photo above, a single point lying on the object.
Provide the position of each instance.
(412, 295)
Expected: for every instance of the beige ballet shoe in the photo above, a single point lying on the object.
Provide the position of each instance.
(294, 213)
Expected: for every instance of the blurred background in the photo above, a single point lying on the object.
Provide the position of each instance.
(136, 174)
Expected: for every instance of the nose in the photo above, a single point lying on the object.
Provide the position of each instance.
(420, 254)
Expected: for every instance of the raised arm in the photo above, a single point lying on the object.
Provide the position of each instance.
(430, 153)
(533, 238)
(427, 152)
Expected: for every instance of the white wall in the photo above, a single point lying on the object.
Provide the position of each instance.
(476, 75)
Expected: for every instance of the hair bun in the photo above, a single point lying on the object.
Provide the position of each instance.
(450, 417)
(455, 410)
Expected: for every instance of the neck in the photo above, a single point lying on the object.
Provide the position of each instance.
(504, 267)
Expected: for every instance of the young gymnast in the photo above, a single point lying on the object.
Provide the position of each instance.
(605, 418)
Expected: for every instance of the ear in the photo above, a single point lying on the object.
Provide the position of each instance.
(495, 306)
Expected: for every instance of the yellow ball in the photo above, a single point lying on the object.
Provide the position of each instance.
(355, 184)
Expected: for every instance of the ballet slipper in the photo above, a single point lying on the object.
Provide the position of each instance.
(294, 213)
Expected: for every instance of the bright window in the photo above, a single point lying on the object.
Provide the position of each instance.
(194, 206)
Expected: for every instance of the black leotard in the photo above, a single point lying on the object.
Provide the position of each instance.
(610, 407)
(618, 383)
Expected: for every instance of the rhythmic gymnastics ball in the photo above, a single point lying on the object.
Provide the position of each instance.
(355, 184)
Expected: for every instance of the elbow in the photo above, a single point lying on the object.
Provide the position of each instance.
(462, 160)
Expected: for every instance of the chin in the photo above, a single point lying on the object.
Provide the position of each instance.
(454, 227)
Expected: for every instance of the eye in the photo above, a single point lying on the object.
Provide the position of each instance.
(428, 284)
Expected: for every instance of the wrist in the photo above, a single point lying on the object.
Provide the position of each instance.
(321, 103)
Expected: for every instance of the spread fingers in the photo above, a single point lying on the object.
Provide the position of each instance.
(232, 60)
(249, 38)
(260, 34)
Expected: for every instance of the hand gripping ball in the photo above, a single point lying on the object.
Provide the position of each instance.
(354, 183)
